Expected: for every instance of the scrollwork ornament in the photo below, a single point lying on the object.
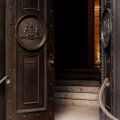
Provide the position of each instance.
(106, 28)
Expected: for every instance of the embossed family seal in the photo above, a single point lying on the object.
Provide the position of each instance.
(31, 32)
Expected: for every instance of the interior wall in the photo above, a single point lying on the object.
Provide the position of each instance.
(71, 34)
(2, 58)
(90, 33)
(97, 33)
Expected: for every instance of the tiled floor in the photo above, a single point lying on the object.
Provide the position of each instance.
(76, 112)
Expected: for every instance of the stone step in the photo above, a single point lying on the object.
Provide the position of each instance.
(77, 89)
(92, 83)
(76, 96)
(79, 76)
(67, 102)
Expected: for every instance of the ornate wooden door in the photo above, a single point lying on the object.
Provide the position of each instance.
(29, 59)
(107, 59)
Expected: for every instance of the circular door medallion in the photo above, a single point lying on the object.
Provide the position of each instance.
(106, 28)
(31, 33)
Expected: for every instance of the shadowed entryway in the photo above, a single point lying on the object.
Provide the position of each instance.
(71, 34)
(77, 77)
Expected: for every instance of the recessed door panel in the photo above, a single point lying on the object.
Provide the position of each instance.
(32, 82)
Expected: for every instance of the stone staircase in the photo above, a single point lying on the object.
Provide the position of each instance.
(77, 87)
(76, 95)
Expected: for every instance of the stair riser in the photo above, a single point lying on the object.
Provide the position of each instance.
(80, 71)
(76, 82)
(76, 102)
(76, 96)
(77, 89)
(78, 76)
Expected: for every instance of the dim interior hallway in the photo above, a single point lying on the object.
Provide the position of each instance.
(81, 112)
(77, 99)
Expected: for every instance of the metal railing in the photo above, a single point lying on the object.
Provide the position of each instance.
(105, 84)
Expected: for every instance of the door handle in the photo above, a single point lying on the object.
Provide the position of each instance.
(4, 79)
(105, 84)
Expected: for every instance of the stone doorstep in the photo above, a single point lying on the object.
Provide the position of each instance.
(76, 96)
(76, 89)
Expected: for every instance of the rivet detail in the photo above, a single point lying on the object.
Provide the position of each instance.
(51, 83)
(24, 116)
(10, 6)
(51, 98)
(37, 114)
(51, 10)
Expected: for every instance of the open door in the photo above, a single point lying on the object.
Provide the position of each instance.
(107, 90)
(29, 59)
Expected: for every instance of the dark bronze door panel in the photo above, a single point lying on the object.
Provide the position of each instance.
(29, 50)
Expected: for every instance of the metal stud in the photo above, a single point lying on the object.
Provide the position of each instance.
(37, 114)
(51, 98)
(50, 39)
(51, 83)
(50, 113)
(10, 101)
(8, 82)
(51, 10)
(10, 117)
(112, 53)
(51, 30)
(51, 25)
(10, 38)
(50, 54)
(10, 6)
(10, 70)
(24, 116)
(10, 22)
(10, 54)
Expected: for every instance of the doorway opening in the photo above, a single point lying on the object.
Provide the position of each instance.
(71, 34)
(77, 54)
(77, 35)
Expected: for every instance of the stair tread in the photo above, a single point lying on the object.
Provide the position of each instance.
(92, 70)
(77, 82)
(70, 95)
(78, 89)
(76, 102)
